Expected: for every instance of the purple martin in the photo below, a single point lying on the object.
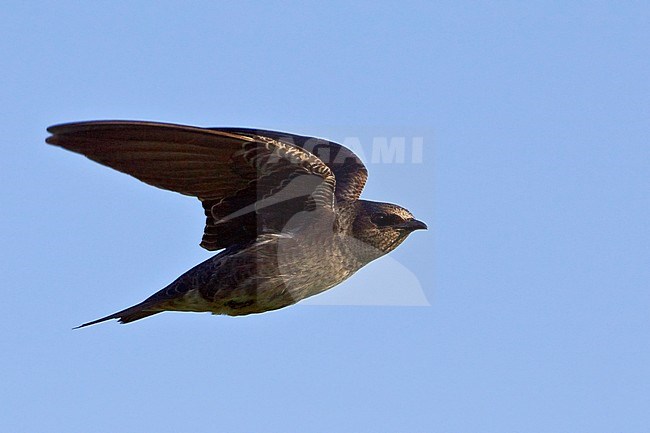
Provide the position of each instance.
(284, 210)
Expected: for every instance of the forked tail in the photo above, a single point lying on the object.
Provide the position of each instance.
(128, 315)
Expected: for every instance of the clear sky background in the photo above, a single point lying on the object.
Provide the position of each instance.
(534, 181)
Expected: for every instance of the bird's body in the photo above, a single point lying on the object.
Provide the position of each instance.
(290, 223)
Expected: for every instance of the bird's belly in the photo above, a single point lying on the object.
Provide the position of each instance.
(282, 291)
(286, 287)
(316, 280)
(282, 277)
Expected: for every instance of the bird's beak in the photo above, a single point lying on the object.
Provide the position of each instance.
(412, 225)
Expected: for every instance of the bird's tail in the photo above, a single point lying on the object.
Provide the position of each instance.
(131, 314)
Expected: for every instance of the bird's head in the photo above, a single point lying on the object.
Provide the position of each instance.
(381, 227)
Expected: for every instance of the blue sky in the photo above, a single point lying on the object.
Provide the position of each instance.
(534, 181)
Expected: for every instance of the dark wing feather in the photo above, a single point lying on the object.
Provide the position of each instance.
(349, 171)
(248, 184)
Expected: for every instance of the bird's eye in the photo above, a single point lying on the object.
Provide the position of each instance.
(383, 220)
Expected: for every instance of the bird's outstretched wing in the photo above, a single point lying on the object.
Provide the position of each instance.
(349, 171)
(248, 183)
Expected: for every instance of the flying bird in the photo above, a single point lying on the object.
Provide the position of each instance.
(284, 210)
